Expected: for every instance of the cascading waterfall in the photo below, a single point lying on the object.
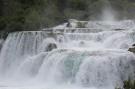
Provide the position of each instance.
(19, 46)
(38, 60)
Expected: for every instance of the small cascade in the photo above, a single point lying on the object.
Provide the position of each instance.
(19, 46)
(109, 25)
(104, 39)
(87, 68)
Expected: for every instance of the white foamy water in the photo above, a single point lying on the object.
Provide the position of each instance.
(38, 60)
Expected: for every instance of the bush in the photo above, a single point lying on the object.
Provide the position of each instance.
(16, 15)
(128, 84)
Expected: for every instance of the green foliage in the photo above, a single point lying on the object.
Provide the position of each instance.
(78, 4)
(18, 15)
(128, 84)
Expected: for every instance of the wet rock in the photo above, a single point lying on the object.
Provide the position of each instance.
(81, 43)
(1, 44)
(51, 46)
(48, 44)
(133, 45)
(132, 49)
(0, 47)
(118, 29)
(73, 23)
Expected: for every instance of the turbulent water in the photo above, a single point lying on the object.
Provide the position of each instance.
(79, 60)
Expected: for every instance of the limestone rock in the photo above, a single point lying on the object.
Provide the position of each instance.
(131, 50)
(51, 46)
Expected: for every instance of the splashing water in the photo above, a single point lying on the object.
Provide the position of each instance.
(108, 13)
(89, 60)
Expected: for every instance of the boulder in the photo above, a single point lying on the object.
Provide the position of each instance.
(73, 23)
(133, 45)
(118, 29)
(0, 47)
(81, 43)
(50, 47)
(1, 43)
(132, 49)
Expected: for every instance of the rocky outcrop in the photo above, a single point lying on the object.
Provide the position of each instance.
(1, 43)
(51, 46)
(133, 45)
(48, 44)
(77, 24)
(119, 29)
(0, 47)
(132, 49)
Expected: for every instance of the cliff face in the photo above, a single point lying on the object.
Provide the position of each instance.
(18, 15)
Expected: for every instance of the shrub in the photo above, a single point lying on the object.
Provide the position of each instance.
(128, 84)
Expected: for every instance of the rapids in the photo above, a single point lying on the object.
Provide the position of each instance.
(81, 60)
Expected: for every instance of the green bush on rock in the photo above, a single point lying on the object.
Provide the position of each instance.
(18, 15)
(128, 84)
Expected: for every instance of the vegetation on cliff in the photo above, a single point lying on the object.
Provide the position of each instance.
(18, 15)
(128, 84)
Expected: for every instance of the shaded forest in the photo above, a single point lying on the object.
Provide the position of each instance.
(19, 15)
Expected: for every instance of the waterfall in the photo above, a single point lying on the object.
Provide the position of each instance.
(79, 60)
(19, 46)
(87, 68)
